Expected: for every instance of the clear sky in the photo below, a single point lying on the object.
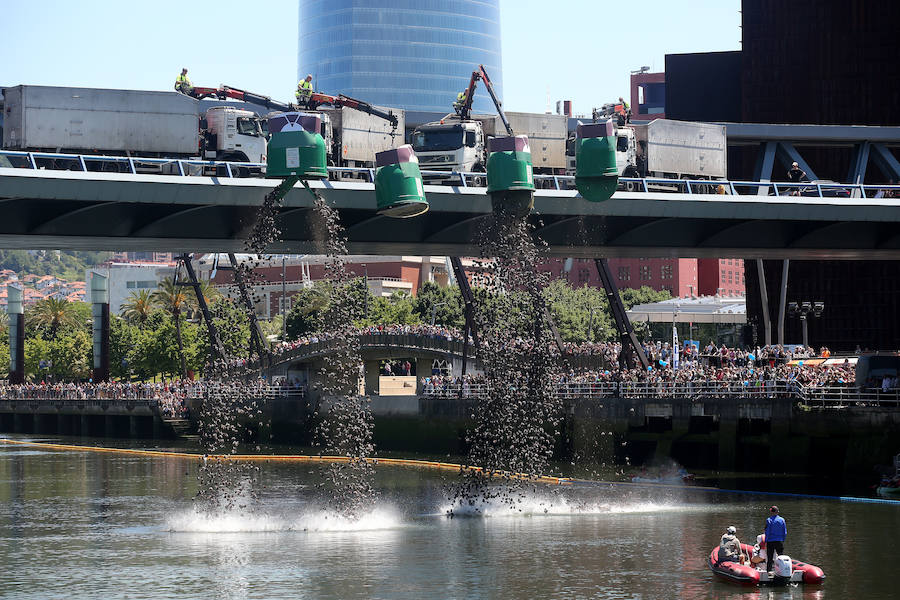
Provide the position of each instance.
(582, 50)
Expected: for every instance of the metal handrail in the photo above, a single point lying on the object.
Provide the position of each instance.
(468, 178)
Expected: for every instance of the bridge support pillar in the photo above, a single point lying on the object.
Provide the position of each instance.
(157, 428)
(19, 423)
(64, 424)
(16, 311)
(133, 427)
(109, 426)
(84, 428)
(372, 373)
(728, 435)
(100, 325)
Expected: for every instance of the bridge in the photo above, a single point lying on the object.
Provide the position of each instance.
(99, 210)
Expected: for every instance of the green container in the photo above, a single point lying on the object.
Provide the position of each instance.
(596, 174)
(398, 183)
(296, 147)
(509, 175)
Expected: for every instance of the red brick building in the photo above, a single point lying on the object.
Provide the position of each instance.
(679, 276)
(648, 96)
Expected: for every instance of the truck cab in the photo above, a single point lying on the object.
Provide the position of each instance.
(450, 145)
(233, 134)
(626, 153)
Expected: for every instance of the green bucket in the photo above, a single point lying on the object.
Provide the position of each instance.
(596, 174)
(296, 147)
(398, 183)
(509, 175)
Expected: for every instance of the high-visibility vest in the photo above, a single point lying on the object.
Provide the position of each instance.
(182, 81)
(304, 88)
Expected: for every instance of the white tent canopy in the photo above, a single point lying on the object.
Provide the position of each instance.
(705, 309)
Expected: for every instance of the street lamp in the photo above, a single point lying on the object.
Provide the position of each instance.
(802, 310)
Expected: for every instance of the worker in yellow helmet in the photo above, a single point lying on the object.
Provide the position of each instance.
(183, 84)
(304, 91)
(460, 100)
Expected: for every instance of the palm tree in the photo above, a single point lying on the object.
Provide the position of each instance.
(137, 307)
(50, 314)
(174, 299)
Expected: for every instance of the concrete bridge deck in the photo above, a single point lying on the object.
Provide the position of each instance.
(106, 211)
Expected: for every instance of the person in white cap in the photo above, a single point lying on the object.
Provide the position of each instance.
(730, 546)
(796, 175)
(758, 556)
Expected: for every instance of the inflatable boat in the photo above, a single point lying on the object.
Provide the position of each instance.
(735, 572)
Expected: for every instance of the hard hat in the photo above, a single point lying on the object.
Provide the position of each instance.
(793, 164)
(309, 75)
(731, 529)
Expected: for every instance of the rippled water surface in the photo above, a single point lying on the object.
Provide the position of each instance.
(86, 525)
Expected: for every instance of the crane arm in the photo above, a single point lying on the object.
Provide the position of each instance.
(230, 92)
(490, 88)
(318, 98)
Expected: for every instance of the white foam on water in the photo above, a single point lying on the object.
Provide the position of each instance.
(194, 521)
(536, 506)
(321, 521)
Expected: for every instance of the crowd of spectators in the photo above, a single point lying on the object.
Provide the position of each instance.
(169, 396)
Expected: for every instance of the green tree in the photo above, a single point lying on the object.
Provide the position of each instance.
(123, 343)
(399, 308)
(580, 314)
(644, 295)
(50, 315)
(444, 304)
(174, 299)
(308, 310)
(71, 355)
(137, 307)
(232, 325)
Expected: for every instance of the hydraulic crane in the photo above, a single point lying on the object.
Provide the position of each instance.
(464, 108)
(317, 99)
(226, 92)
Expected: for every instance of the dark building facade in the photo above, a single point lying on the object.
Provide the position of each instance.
(821, 61)
(826, 62)
(704, 86)
(862, 303)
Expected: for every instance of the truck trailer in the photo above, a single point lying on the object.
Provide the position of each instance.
(127, 123)
(668, 149)
(173, 125)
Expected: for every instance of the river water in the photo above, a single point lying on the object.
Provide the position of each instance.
(88, 525)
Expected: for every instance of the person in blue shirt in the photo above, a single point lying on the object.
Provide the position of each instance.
(776, 532)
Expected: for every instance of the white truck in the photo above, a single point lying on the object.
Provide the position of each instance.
(454, 144)
(669, 149)
(173, 125)
(128, 123)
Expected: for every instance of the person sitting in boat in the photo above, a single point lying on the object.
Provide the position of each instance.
(730, 546)
(758, 556)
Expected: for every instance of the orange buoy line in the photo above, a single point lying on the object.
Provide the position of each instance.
(288, 458)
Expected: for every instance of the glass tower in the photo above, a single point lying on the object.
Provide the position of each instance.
(411, 54)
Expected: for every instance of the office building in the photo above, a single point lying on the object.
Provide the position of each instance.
(411, 54)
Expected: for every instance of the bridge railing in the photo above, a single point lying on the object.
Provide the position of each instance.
(837, 397)
(197, 167)
(822, 397)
